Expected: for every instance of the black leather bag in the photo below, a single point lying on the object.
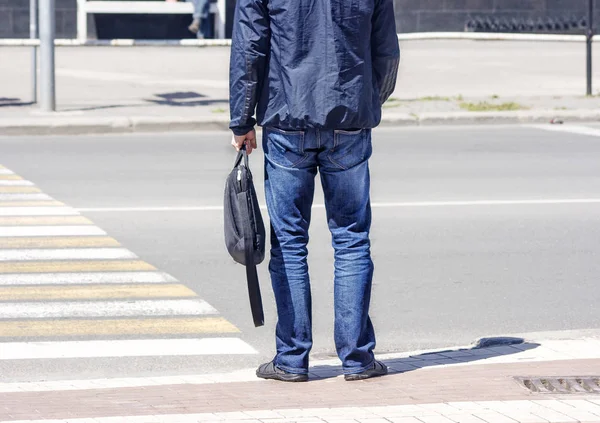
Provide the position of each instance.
(245, 229)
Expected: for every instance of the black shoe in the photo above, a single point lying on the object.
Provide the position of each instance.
(271, 371)
(378, 369)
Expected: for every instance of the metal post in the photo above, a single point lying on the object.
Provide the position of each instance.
(33, 34)
(82, 31)
(590, 38)
(47, 25)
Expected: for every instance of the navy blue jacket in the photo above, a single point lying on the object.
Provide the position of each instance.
(327, 64)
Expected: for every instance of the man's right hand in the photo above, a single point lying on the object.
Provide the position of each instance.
(249, 140)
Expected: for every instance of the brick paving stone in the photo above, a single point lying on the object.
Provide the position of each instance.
(435, 419)
(552, 416)
(583, 405)
(263, 414)
(571, 411)
(464, 418)
(494, 417)
(404, 420)
(440, 408)
(523, 416)
(373, 420)
(302, 420)
(466, 405)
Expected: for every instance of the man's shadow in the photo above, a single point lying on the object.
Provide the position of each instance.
(484, 349)
(184, 99)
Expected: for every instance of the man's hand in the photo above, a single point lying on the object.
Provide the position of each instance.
(249, 139)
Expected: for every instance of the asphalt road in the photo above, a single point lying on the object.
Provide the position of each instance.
(446, 272)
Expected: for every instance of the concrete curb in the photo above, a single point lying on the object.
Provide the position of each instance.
(76, 125)
(62, 125)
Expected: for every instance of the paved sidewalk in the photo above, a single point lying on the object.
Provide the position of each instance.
(122, 89)
(457, 385)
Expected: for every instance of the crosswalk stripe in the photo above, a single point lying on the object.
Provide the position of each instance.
(19, 190)
(19, 197)
(50, 231)
(17, 183)
(38, 211)
(86, 278)
(74, 266)
(60, 275)
(43, 220)
(46, 203)
(104, 327)
(137, 308)
(66, 254)
(59, 242)
(41, 293)
(124, 348)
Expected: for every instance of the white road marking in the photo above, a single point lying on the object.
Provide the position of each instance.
(138, 308)
(16, 183)
(66, 254)
(7, 231)
(123, 348)
(19, 196)
(86, 278)
(531, 202)
(4, 171)
(149, 209)
(572, 129)
(523, 202)
(38, 211)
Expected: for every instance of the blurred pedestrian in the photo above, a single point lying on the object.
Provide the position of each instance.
(199, 17)
(318, 73)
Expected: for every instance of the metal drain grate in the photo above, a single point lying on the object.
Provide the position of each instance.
(562, 385)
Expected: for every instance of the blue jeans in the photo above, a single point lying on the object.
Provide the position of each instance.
(292, 159)
(201, 12)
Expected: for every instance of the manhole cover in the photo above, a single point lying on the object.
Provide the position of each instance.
(562, 385)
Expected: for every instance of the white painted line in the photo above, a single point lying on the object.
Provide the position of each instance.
(490, 203)
(373, 205)
(572, 129)
(125, 308)
(124, 348)
(18, 196)
(86, 278)
(16, 183)
(50, 231)
(149, 209)
(38, 211)
(4, 171)
(66, 254)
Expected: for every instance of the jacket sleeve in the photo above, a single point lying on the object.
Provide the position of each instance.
(250, 44)
(385, 52)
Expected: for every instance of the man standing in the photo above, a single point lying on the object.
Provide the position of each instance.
(317, 72)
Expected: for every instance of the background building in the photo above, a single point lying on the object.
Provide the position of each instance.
(411, 16)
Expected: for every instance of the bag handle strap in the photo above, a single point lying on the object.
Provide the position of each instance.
(251, 274)
(242, 154)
